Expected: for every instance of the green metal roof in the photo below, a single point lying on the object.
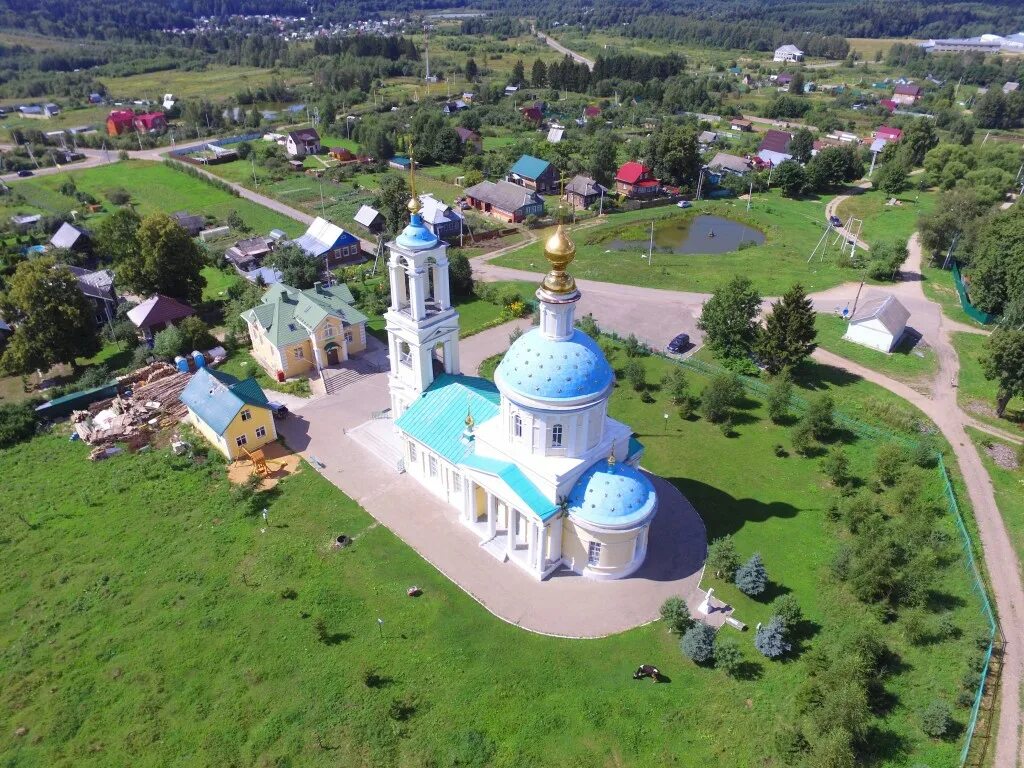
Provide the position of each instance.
(514, 478)
(530, 167)
(287, 313)
(437, 418)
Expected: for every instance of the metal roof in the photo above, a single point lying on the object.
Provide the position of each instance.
(67, 236)
(437, 418)
(516, 482)
(728, 162)
(367, 216)
(323, 236)
(504, 195)
(542, 368)
(216, 397)
(885, 308)
(530, 167)
(98, 284)
(287, 314)
(585, 186)
(159, 309)
(616, 495)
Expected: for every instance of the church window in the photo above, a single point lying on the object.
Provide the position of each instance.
(556, 436)
(594, 553)
(328, 331)
(517, 425)
(432, 461)
(456, 482)
(412, 451)
(404, 354)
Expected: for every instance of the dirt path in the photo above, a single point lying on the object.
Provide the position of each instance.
(833, 205)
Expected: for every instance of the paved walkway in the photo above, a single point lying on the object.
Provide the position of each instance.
(564, 605)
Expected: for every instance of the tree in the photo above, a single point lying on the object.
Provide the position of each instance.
(168, 343)
(636, 374)
(770, 639)
(788, 611)
(698, 644)
(460, 275)
(751, 577)
(780, 395)
(589, 326)
(890, 463)
(720, 396)
(801, 146)
(446, 146)
(787, 337)
(791, 178)
(677, 385)
(728, 319)
(391, 200)
(676, 615)
(604, 158)
(298, 269)
(918, 137)
(728, 657)
(117, 236)
(54, 321)
(539, 75)
(722, 556)
(796, 85)
(471, 69)
(891, 178)
(955, 214)
(1003, 362)
(168, 262)
(836, 466)
(820, 417)
(937, 719)
(886, 259)
(995, 256)
(518, 73)
(674, 153)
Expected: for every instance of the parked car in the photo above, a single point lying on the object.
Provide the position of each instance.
(24, 172)
(835, 221)
(278, 409)
(680, 343)
(683, 204)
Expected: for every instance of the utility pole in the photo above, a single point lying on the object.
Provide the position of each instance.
(255, 181)
(750, 195)
(600, 210)
(650, 248)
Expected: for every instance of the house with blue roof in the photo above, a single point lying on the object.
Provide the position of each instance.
(536, 174)
(231, 414)
(532, 462)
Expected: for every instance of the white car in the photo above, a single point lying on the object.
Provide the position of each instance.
(684, 204)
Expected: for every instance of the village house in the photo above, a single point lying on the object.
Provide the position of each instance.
(443, 221)
(504, 200)
(305, 141)
(342, 154)
(636, 180)
(329, 242)
(150, 122)
(71, 238)
(582, 192)
(788, 53)
(470, 140)
(536, 174)
(372, 219)
(886, 133)
(907, 94)
(98, 287)
(24, 222)
(774, 147)
(120, 121)
(189, 222)
(740, 124)
(247, 255)
(723, 164)
(454, 106)
(157, 313)
(300, 332)
(232, 415)
(533, 115)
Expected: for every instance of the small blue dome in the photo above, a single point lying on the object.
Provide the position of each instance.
(618, 496)
(545, 369)
(416, 236)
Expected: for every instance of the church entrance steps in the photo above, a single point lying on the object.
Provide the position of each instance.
(496, 547)
(336, 379)
(379, 438)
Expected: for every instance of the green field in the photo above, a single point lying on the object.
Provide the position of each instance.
(791, 227)
(213, 83)
(915, 366)
(166, 626)
(886, 222)
(975, 393)
(153, 186)
(95, 116)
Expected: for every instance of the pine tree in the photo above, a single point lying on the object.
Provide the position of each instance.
(770, 639)
(471, 69)
(698, 644)
(787, 337)
(539, 76)
(518, 73)
(751, 577)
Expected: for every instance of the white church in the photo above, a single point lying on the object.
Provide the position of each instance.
(533, 463)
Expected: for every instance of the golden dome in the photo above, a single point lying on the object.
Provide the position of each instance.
(559, 250)
(414, 204)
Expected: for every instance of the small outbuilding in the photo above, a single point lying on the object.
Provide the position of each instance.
(232, 414)
(157, 313)
(878, 322)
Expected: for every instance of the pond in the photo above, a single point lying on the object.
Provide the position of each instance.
(700, 234)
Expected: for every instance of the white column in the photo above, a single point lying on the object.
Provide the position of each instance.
(441, 289)
(344, 344)
(492, 515)
(418, 276)
(451, 358)
(468, 500)
(316, 351)
(510, 542)
(555, 544)
(541, 546)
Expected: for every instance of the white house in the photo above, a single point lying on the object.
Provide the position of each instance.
(305, 141)
(878, 322)
(788, 53)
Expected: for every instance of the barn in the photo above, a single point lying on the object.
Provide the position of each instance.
(878, 322)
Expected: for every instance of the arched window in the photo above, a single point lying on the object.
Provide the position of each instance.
(517, 426)
(556, 436)
(404, 353)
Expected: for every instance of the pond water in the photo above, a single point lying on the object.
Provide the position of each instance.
(700, 234)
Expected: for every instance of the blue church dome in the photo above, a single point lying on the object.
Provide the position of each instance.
(416, 236)
(615, 495)
(547, 369)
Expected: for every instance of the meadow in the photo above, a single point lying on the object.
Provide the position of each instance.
(212, 83)
(975, 393)
(151, 620)
(883, 222)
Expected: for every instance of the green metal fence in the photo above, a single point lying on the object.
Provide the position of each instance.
(972, 311)
(876, 433)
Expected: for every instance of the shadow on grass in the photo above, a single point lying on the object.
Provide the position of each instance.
(724, 514)
(883, 746)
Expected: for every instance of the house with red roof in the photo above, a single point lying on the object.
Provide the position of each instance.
(907, 94)
(157, 313)
(533, 115)
(590, 112)
(120, 121)
(470, 140)
(888, 104)
(150, 122)
(888, 134)
(774, 147)
(636, 180)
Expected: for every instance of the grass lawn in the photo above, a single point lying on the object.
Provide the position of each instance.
(153, 187)
(791, 227)
(939, 287)
(886, 222)
(214, 82)
(242, 365)
(914, 365)
(975, 393)
(218, 281)
(150, 619)
(1008, 485)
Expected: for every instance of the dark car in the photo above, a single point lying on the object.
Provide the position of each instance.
(24, 173)
(835, 221)
(279, 410)
(679, 343)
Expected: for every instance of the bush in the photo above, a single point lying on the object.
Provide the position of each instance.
(688, 407)
(636, 374)
(634, 348)
(751, 577)
(589, 326)
(119, 196)
(890, 462)
(698, 644)
(780, 395)
(728, 657)
(722, 556)
(820, 417)
(836, 466)
(803, 440)
(676, 615)
(677, 385)
(925, 453)
(937, 719)
(770, 639)
(720, 396)
(17, 423)
(788, 611)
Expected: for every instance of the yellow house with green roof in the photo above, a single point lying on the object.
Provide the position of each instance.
(299, 332)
